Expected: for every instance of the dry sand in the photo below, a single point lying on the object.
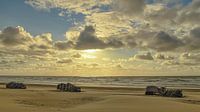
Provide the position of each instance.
(38, 98)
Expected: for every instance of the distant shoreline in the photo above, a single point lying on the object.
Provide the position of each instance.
(109, 82)
(105, 88)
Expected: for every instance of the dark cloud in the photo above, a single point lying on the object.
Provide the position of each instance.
(147, 56)
(88, 40)
(195, 33)
(192, 41)
(179, 14)
(164, 15)
(159, 41)
(17, 36)
(162, 41)
(35, 46)
(63, 45)
(129, 7)
(12, 36)
(115, 43)
(16, 41)
(190, 14)
(130, 41)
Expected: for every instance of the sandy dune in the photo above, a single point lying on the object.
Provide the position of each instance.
(47, 99)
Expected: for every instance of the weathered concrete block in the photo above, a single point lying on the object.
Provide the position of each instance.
(152, 90)
(162, 91)
(14, 85)
(68, 87)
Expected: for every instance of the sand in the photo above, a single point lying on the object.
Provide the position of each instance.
(39, 98)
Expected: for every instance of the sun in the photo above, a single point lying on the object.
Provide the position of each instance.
(90, 51)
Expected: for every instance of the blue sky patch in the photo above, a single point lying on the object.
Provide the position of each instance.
(36, 22)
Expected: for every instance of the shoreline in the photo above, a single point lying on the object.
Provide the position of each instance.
(111, 82)
(104, 88)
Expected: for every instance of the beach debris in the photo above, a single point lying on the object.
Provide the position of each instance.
(68, 87)
(152, 90)
(173, 93)
(162, 91)
(15, 85)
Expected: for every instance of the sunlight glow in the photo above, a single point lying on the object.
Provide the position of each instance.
(90, 51)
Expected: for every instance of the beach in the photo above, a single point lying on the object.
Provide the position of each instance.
(45, 98)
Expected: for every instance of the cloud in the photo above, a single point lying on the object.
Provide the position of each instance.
(77, 55)
(88, 40)
(190, 57)
(160, 19)
(194, 38)
(129, 7)
(12, 36)
(63, 45)
(44, 38)
(176, 12)
(185, 55)
(160, 56)
(158, 41)
(162, 41)
(163, 57)
(190, 14)
(43, 41)
(105, 28)
(183, 59)
(119, 66)
(65, 61)
(161, 15)
(146, 56)
(2, 62)
(16, 40)
(94, 65)
(180, 63)
(77, 6)
(170, 62)
(18, 36)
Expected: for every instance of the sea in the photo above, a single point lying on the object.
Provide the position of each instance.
(183, 82)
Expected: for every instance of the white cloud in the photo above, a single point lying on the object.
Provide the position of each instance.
(77, 6)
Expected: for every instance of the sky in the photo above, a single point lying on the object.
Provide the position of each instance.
(100, 37)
